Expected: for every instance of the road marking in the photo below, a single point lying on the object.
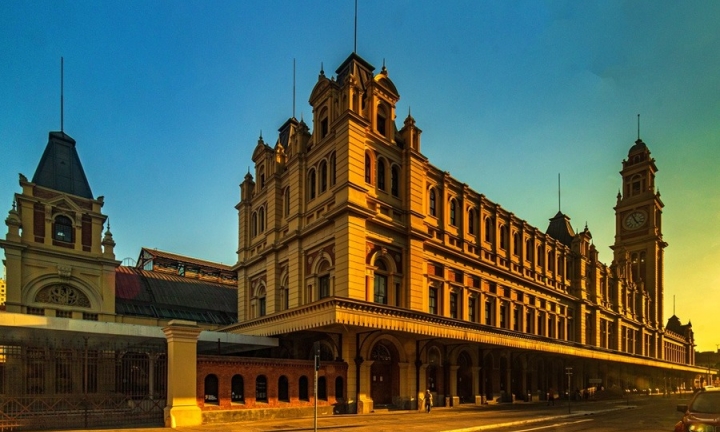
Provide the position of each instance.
(555, 425)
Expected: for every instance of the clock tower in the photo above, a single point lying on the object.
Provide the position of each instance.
(639, 246)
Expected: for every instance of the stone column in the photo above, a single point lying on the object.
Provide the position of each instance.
(454, 398)
(182, 409)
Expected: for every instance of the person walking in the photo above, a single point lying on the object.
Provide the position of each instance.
(428, 400)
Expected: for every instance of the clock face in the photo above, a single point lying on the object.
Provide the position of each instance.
(635, 220)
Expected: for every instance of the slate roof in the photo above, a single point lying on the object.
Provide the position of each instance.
(60, 168)
(560, 229)
(164, 296)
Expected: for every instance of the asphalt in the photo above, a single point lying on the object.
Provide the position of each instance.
(492, 417)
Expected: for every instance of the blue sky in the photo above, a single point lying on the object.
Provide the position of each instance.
(166, 100)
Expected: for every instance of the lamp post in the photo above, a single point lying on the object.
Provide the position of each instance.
(568, 372)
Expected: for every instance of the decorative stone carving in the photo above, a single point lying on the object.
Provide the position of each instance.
(63, 295)
(64, 271)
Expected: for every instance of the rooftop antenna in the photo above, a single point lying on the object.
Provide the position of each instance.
(355, 45)
(61, 97)
(559, 193)
(293, 111)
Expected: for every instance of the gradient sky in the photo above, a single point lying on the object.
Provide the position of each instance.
(166, 100)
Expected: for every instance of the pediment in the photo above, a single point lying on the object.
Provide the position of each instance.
(64, 203)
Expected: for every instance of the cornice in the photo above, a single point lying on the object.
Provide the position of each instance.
(354, 313)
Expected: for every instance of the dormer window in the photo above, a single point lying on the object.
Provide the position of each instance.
(63, 229)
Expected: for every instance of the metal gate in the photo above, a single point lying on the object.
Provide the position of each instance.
(81, 382)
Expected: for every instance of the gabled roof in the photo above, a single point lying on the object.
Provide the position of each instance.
(60, 168)
(165, 296)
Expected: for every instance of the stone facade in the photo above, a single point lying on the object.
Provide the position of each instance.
(348, 230)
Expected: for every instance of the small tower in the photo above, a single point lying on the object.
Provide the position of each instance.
(58, 263)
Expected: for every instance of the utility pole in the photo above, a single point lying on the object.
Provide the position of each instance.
(568, 372)
(317, 368)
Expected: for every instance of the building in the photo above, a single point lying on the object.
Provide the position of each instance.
(358, 259)
(350, 236)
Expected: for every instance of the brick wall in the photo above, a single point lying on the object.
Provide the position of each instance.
(224, 368)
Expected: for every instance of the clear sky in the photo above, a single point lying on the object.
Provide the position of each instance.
(166, 100)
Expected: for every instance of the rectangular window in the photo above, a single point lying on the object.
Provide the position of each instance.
(380, 289)
(472, 316)
(529, 318)
(324, 289)
(503, 315)
(90, 316)
(488, 312)
(63, 314)
(516, 319)
(433, 301)
(453, 305)
(36, 311)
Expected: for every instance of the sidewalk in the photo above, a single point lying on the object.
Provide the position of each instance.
(458, 419)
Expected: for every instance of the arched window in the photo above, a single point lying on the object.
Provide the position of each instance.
(503, 237)
(395, 181)
(63, 229)
(211, 390)
(261, 220)
(471, 221)
(323, 280)
(311, 184)
(551, 260)
(333, 169)
(303, 390)
(432, 202)
(261, 389)
(381, 174)
(381, 280)
(287, 201)
(254, 224)
(516, 243)
(284, 295)
(339, 389)
(453, 217)
(237, 389)
(322, 388)
(540, 255)
(368, 168)
(283, 392)
(488, 229)
(528, 250)
(260, 302)
(323, 176)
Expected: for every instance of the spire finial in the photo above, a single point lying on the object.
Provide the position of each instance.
(62, 107)
(355, 42)
(673, 304)
(108, 228)
(638, 127)
(559, 207)
(293, 111)
(322, 69)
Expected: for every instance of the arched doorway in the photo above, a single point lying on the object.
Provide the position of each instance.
(384, 374)
(489, 374)
(433, 373)
(465, 378)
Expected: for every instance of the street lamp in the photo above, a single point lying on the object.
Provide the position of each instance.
(568, 372)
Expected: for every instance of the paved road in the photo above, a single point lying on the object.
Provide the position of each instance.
(640, 414)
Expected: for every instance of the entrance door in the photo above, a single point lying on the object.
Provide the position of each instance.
(381, 375)
(464, 378)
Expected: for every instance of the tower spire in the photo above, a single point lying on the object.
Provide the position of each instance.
(293, 111)
(559, 207)
(62, 107)
(355, 41)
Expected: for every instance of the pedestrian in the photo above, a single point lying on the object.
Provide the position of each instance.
(428, 400)
(551, 397)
